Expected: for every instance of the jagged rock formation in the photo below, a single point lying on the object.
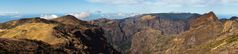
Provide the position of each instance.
(63, 35)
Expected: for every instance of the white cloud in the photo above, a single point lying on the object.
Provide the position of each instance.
(80, 15)
(52, 16)
(229, 1)
(8, 13)
(172, 3)
(117, 1)
(11, 14)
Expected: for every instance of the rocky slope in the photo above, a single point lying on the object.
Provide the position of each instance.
(207, 35)
(120, 32)
(172, 34)
(23, 46)
(149, 41)
(62, 35)
(203, 29)
(162, 33)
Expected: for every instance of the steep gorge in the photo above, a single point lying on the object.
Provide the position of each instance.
(176, 33)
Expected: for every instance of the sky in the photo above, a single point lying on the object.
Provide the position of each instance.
(220, 7)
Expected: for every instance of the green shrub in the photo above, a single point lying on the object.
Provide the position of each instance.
(3, 51)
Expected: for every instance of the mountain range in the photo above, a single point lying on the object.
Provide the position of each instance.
(154, 33)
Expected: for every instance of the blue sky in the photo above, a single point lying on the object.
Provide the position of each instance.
(221, 7)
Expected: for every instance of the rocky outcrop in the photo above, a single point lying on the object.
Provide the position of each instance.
(25, 46)
(149, 41)
(204, 19)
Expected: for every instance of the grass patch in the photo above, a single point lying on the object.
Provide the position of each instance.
(217, 44)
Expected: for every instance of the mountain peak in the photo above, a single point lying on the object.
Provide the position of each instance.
(212, 15)
(68, 19)
(234, 18)
(147, 17)
(204, 19)
(211, 12)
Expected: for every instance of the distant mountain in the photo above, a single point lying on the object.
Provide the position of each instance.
(92, 16)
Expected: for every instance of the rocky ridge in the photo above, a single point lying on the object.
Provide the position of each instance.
(65, 34)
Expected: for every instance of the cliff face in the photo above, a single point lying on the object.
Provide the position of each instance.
(120, 32)
(221, 43)
(202, 29)
(207, 35)
(149, 41)
(171, 34)
(69, 36)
